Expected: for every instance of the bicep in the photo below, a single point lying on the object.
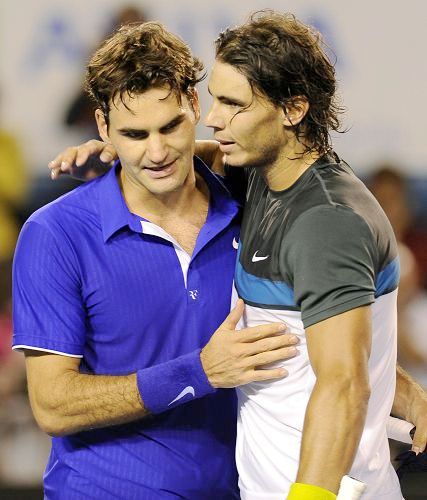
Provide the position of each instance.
(341, 344)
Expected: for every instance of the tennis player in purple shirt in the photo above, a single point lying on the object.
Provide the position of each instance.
(119, 285)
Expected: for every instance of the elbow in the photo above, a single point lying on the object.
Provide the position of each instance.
(52, 409)
(53, 430)
(56, 429)
(50, 419)
(51, 423)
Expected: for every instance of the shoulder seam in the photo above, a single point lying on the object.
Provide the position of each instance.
(322, 183)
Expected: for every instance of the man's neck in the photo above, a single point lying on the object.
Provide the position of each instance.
(289, 167)
(181, 213)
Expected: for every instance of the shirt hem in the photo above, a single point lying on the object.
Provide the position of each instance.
(22, 347)
(338, 309)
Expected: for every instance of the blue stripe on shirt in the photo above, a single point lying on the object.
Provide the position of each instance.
(388, 279)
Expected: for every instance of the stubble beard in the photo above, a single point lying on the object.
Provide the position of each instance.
(263, 159)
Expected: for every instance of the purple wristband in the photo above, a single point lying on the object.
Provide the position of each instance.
(164, 386)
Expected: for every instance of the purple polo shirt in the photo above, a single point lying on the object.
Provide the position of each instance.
(95, 281)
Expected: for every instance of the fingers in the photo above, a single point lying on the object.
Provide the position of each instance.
(77, 156)
(84, 151)
(261, 331)
(55, 172)
(63, 162)
(273, 343)
(265, 358)
(108, 153)
(233, 318)
(261, 375)
(420, 439)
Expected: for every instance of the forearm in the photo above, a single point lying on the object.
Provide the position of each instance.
(78, 402)
(333, 426)
(65, 401)
(407, 391)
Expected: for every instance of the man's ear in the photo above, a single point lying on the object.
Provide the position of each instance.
(193, 99)
(295, 110)
(102, 125)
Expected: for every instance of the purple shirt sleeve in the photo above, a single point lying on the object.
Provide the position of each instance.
(48, 312)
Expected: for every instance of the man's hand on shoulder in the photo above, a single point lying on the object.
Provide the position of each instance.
(85, 162)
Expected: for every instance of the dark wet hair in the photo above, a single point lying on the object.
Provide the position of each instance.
(282, 58)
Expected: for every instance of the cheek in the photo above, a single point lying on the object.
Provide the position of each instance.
(130, 154)
(133, 147)
(267, 132)
(184, 143)
(241, 129)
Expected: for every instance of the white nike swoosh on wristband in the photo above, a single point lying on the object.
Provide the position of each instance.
(235, 243)
(188, 390)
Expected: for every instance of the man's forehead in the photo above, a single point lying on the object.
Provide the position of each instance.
(147, 111)
(225, 77)
(151, 96)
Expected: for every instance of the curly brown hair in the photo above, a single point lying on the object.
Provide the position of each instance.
(137, 57)
(282, 58)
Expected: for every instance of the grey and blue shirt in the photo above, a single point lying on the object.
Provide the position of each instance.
(320, 248)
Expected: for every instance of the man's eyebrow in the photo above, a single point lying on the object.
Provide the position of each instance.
(133, 130)
(224, 98)
(175, 121)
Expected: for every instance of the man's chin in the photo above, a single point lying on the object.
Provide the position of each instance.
(239, 160)
(234, 161)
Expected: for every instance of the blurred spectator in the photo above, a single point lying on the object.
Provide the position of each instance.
(81, 115)
(390, 188)
(81, 111)
(13, 188)
(412, 318)
(12, 367)
(23, 447)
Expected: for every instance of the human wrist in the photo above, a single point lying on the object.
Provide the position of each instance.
(300, 491)
(170, 384)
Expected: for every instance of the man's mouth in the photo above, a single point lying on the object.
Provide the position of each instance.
(226, 146)
(157, 172)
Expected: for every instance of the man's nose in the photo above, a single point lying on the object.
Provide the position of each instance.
(157, 150)
(214, 119)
